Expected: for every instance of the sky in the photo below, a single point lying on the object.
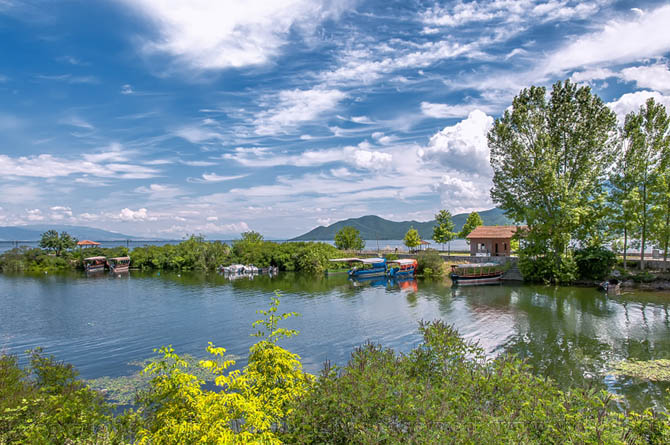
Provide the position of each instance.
(163, 118)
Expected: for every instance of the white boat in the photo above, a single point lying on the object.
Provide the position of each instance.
(478, 273)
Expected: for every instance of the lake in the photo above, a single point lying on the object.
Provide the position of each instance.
(102, 324)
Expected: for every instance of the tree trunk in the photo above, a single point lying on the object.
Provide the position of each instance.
(625, 245)
(644, 223)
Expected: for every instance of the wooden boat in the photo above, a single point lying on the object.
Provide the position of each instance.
(477, 273)
(119, 264)
(364, 267)
(95, 264)
(401, 267)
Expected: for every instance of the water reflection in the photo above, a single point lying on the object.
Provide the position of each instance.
(101, 323)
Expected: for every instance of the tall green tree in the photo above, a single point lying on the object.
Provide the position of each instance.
(623, 197)
(53, 242)
(412, 238)
(473, 221)
(443, 230)
(550, 157)
(349, 238)
(647, 133)
(661, 210)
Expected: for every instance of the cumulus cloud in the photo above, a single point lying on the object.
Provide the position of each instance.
(127, 214)
(127, 89)
(60, 212)
(294, 107)
(655, 77)
(223, 34)
(632, 102)
(464, 195)
(463, 146)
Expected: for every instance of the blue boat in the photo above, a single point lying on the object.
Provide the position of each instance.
(364, 267)
(404, 267)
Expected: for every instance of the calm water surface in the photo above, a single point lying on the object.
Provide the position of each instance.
(101, 324)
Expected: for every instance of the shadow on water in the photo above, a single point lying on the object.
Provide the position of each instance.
(102, 322)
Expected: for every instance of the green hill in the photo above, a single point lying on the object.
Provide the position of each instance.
(34, 232)
(373, 227)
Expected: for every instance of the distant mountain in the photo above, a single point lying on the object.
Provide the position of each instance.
(34, 232)
(373, 227)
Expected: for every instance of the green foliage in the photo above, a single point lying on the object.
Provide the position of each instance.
(542, 268)
(647, 135)
(45, 403)
(594, 263)
(655, 370)
(250, 407)
(53, 242)
(473, 221)
(412, 238)
(550, 158)
(443, 232)
(447, 391)
(349, 238)
(430, 263)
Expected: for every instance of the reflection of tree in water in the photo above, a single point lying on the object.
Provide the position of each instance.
(568, 335)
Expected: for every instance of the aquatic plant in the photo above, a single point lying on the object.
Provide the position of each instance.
(654, 370)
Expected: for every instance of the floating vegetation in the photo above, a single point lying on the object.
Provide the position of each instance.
(654, 370)
(122, 390)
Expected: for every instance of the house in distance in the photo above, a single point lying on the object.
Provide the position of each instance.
(491, 240)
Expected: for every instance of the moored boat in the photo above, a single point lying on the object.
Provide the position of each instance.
(119, 264)
(477, 273)
(368, 267)
(95, 264)
(401, 267)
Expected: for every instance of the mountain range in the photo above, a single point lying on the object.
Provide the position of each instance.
(374, 227)
(34, 233)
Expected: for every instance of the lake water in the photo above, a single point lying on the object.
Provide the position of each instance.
(100, 324)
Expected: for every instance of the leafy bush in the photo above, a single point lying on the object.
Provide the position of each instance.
(446, 391)
(547, 268)
(594, 263)
(430, 263)
(45, 403)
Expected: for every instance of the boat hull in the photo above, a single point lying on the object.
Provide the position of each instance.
(119, 269)
(468, 281)
(376, 272)
(95, 268)
(401, 272)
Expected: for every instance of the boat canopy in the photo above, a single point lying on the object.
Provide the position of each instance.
(371, 260)
(344, 260)
(121, 258)
(95, 258)
(402, 261)
(358, 260)
(476, 265)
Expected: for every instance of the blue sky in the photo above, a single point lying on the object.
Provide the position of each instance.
(166, 117)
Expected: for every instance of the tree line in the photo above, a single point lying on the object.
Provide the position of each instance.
(563, 167)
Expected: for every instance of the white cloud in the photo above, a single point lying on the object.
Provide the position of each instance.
(212, 218)
(360, 156)
(464, 194)
(655, 77)
(619, 41)
(463, 146)
(223, 34)
(197, 135)
(77, 122)
(592, 74)
(295, 107)
(199, 163)
(34, 215)
(127, 89)
(509, 11)
(213, 177)
(632, 102)
(448, 111)
(127, 214)
(160, 191)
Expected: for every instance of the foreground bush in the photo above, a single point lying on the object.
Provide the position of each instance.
(594, 263)
(540, 268)
(446, 391)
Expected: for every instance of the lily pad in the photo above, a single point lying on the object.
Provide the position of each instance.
(654, 370)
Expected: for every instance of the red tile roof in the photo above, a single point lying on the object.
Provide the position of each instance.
(87, 243)
(492, 232)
